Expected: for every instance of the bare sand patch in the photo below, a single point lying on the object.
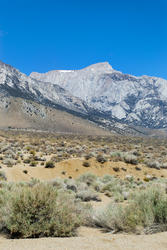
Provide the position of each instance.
(74, 168)
(92, 239)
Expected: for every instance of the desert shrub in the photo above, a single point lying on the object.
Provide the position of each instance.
(153, 164)
(37, 158)
(101, 159)
(57, 183)
(88, 195)
(130, 158)
(88, 156)
(86, 211)
(49, 164)
(152, 204)
(33, 182)
(88, 178)
(89, 181)
(27, 160)
(118, 197)
(147, 208)
(86, 164)
(40, 211)
(33, 164)
(32, 152)
(112, 186)
(116, 218)
(9, 162)
(107, 178)
(164, 165)
(126, 157)
(136, 153)
(71, 185)
(117, 156)
(81, 186)
(116, 169)
(3, 176)
(138, 168)
(97, 185)
(109, 218)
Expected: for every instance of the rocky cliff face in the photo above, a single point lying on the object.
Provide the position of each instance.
(16, 84)
(141, 101)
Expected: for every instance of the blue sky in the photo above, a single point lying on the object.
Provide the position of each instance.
(71, 34)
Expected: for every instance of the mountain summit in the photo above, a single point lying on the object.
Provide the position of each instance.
(140, 101)
(100, 67)
(29, 103)
(96, 95)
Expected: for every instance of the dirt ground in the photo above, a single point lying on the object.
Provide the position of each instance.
(88, 238)
(74, 168)
(91, 239)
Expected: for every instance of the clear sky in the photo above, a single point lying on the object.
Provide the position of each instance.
(41, 35)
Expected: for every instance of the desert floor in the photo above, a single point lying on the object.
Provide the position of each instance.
(89, 238)
(70, 165)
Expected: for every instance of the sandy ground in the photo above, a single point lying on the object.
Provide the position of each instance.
(74, 168)
(91, 239)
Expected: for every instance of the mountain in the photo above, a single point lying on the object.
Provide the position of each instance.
(126, 99)
(94, 100)
(14, 83)
(33, 104)
(19, 113)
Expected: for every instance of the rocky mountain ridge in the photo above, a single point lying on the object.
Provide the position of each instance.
(98, 95)
(16, 84)
(139, 101)
(67, 113)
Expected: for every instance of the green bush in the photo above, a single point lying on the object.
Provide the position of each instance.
(33, 164)
(49, 164)
(146, 209)
(112, 186)
(152, 205)
(40, 211)
(27, 160)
